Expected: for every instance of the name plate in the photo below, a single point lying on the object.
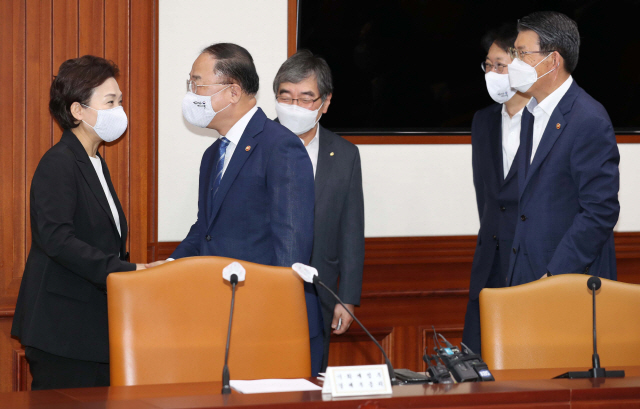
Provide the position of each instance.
(357, 380)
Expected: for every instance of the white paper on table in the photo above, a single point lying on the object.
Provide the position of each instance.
(274, 385)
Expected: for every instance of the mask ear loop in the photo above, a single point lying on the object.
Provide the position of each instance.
(216, 113)
(92, 127)
(557, 71)
(548, 72)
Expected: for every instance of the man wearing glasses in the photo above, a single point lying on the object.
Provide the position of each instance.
(303, 88)
(256, 190)
(568, 174)
(495, 139)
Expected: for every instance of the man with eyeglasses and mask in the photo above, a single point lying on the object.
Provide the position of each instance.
(256, 189)
(303, 88)
(568, 173)
(495, 139)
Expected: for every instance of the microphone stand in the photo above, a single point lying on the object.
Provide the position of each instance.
(594, 284)
(226, 387)
(392, 373)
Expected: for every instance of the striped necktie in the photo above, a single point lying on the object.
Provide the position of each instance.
(222, 151)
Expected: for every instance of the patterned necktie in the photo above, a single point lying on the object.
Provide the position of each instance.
(222, 151)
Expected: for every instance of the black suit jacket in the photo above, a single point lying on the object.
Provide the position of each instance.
(62, 304)
(496, 196)
(338, 240)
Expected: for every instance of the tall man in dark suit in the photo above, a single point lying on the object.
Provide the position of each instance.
(568, 168)
(303, 88)
(495, 139)
(256, 189)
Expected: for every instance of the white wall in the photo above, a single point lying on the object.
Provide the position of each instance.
(410, 190)
(186, 27)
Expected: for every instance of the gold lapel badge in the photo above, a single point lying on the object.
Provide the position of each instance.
(331, 154)
(558, 126)
(248, 148)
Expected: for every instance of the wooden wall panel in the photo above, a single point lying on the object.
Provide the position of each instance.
(12, 150)
(413, 283)
(116, 48)
(38, 35)
(91, 27)
(65, 40)
(38, 133)
(356, 348)
(143, 129)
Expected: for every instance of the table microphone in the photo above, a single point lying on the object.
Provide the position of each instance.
(594, 284)
(310, 275)
(233, 273)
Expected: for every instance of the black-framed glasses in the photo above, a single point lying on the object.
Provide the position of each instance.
(193, 87)
(305, 102)
(519, 54)
(487, 67)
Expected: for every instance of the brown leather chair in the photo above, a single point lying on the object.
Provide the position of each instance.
(548, 324)
(168, 324)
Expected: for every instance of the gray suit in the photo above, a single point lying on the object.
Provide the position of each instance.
(338, 240)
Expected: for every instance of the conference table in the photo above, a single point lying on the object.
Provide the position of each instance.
(512, 389)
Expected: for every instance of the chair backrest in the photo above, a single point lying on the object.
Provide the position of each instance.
(548, 324)
(169, 324)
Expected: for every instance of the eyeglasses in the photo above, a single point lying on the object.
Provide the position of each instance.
(513, 53)
(487, 67)
(193, 87)
(305, 102)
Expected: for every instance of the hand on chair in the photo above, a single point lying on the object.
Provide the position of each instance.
(155, 263)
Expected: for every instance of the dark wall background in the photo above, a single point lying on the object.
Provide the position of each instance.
(414, 66)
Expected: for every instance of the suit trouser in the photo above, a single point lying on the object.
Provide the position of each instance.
(471, 332)
(55, 372)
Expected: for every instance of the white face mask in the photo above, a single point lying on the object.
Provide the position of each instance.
(498, 87)
(297, 119)
(111, 123)
(197, 109)
(522, 76)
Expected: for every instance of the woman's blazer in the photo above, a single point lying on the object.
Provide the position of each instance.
(62, 303)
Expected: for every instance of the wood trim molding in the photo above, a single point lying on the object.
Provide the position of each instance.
(436, 249)
(292, 40)
(628, 138)
(292, 27)
(7, 312)
(627, 244)
(143, 128)
(455, 292)
(20, 371)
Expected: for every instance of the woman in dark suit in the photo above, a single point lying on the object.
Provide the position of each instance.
(78, 234)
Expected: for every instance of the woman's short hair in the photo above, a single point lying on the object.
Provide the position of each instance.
(76, 80)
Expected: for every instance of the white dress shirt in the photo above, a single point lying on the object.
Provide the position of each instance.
(542, 112)
(97, 165)
(510, 137)
(234, 135)
(312, 149)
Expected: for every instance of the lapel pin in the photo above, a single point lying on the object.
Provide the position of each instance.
(558, 126)
(248, 148)
(331, 154)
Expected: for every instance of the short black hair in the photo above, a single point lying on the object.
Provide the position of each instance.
(235, 63)
(302, 65)
(557, 32)
(503, 36)
(76, 80)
